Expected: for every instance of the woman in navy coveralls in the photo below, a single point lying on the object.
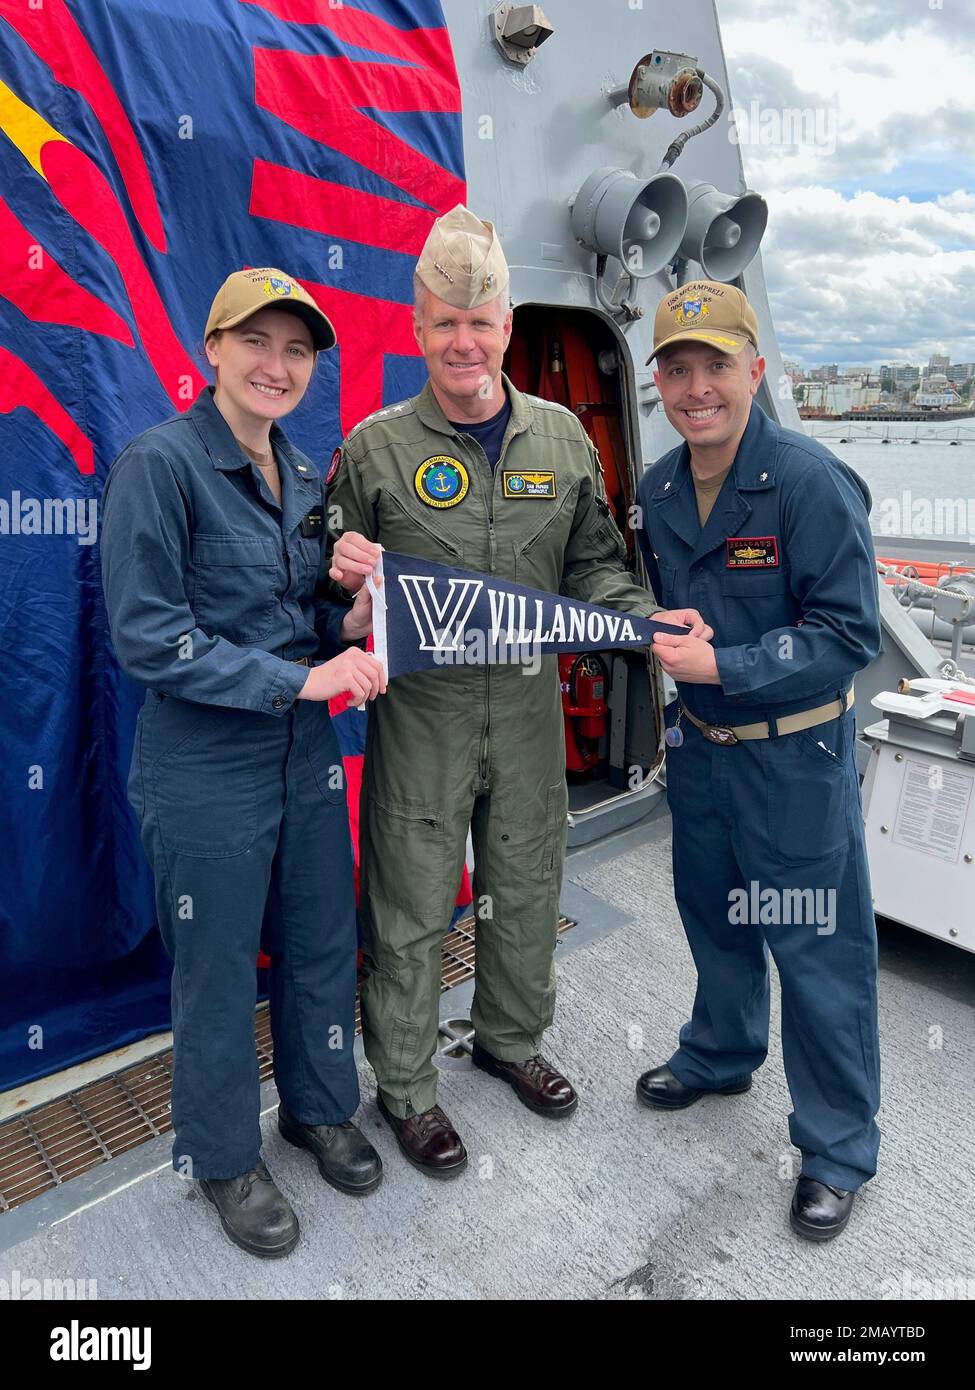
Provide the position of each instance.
(214, 568)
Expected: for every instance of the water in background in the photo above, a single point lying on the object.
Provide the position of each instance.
(923, 489)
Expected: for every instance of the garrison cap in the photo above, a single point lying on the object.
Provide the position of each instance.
(462, 261)
(705, 312)
(246, 291)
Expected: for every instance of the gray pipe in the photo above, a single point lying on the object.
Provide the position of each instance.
(937, 627)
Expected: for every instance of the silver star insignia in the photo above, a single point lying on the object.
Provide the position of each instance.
(666, 487)
(763, 477)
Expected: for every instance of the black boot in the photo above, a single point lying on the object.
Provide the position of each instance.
(253, 1212)
(819, 1212)
(345, 1157)
(661, 1090)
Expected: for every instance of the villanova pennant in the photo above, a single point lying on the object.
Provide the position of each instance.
(427, 615)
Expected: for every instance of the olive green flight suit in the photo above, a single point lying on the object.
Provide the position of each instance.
(470, 746)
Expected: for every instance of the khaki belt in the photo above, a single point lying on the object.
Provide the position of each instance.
(724, 735)
(300, 660)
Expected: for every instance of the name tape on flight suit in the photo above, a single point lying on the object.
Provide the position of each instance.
(528, 484)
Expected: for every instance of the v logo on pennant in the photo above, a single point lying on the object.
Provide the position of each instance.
(440, 625)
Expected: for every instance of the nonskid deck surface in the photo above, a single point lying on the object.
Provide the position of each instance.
(617, 1202)
(64, 1126)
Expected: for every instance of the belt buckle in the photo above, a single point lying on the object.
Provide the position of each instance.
(717, 733)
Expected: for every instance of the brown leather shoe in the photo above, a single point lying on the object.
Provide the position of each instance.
(535, 1082)
(429, 1141)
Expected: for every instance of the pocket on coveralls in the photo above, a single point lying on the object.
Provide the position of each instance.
(325, 759)
(202, 786)
(754, 601)
(233, 581)
(811, 792)
(311, 553)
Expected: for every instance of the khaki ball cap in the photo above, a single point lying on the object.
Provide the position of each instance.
(246, 291)
(705, 311)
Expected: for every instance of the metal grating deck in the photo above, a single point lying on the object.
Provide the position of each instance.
(66, 1137)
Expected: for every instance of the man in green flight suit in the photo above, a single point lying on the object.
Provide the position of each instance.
(470, 473)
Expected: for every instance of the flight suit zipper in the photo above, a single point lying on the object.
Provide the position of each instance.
(493, 544)
(484, 751)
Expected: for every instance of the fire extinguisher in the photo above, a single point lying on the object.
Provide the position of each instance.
(583, 680)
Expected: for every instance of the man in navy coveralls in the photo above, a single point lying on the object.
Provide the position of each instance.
(765, 532)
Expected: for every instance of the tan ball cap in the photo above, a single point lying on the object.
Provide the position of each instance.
(705, 312)
(462, 261)
(264, 287)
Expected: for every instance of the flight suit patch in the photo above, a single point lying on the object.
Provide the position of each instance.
(441, 481)
(311, 525)
(528, 484)
(333, 467)
(752, 552)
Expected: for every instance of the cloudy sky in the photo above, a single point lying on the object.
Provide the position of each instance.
(870, 252)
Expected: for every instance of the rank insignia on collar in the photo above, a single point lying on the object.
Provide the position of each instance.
(528, 484)
(441, 481)
(751, 552)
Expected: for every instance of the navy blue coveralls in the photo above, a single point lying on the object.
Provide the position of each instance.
(784, 571)
(213, 591)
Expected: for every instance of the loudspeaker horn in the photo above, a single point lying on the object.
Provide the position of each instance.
(723, 233)
(639, 221)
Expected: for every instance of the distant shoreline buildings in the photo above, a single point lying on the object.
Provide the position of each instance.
(898, 389)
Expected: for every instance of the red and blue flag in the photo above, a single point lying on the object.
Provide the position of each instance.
(147, 148)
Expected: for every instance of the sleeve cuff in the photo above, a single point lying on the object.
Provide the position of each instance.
(284, 689)
(731, 670)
